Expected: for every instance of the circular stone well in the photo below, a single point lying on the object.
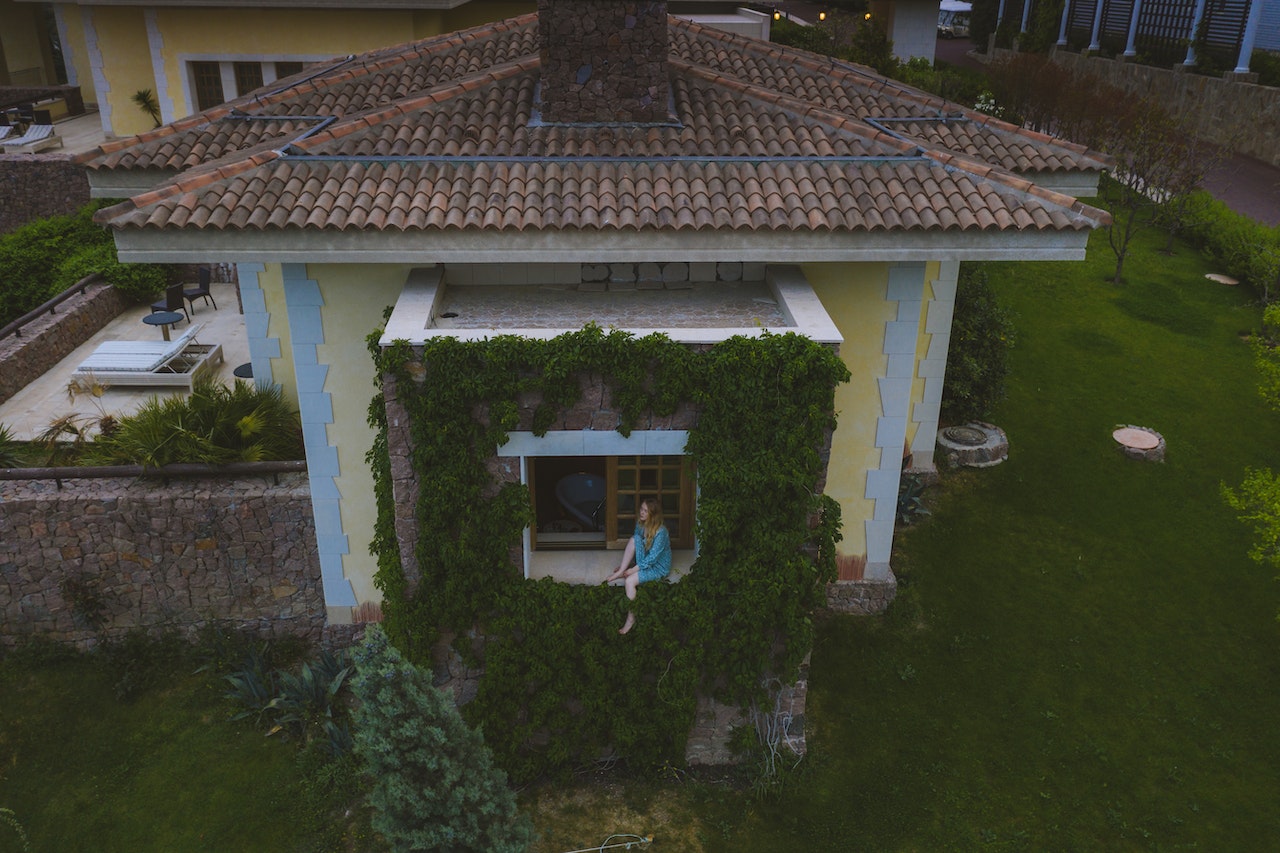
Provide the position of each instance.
(974, 445)
(1141, 443)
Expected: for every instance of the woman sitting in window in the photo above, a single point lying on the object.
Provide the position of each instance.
(650, 547)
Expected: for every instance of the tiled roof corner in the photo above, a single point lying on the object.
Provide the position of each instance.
(443, 134)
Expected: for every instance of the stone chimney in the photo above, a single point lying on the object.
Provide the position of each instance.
(604, 60)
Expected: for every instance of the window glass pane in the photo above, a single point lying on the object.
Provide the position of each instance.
(670, 478)
(670, 504)
(626, 504)
(648, 478)
(626, 478)
(248, 77)
(287, 69)
(673, 526)
(208, 81)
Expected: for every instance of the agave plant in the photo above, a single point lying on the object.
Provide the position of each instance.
(254, 686)
(307, 700)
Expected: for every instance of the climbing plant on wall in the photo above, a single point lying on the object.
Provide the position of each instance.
(560, 685)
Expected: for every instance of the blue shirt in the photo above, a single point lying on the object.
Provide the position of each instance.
(653, 562)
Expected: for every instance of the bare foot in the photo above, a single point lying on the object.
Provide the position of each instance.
(629, 624)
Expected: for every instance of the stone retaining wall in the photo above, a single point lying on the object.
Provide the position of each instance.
(97, 558)
(861, 598)
(1242, 117)
(34, 186)
(50, 338)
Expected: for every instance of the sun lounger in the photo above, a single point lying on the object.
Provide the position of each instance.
(5, 130)
(37, 138)
(178, 362)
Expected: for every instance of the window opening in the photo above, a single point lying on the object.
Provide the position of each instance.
(207, 77)
(287, 69)
(590, 502)
(248, 76)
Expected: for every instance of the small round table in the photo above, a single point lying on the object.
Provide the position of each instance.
(163, 319)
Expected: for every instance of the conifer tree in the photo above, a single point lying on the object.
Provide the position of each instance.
(435, 785)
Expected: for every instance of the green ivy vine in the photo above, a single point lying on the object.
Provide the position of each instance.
(560, 686)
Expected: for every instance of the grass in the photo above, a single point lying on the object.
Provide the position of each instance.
(163, 769)
(1081, 657)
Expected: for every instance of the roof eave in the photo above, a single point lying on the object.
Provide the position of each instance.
(593, 246)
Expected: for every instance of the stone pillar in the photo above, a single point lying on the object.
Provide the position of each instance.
(604, 61)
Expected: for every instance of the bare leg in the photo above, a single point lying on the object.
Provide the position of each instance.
(633, 581)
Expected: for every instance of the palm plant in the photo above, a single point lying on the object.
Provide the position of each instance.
(215, 425)
(11, 450)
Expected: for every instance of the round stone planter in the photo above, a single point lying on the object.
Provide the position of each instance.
(974, 445)
(1141, 443)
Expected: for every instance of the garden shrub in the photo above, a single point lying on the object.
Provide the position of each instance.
(43, 258)
(1246, 249)
(978, 362)
(1266, 65)
(435, 787)
(216, 424)
(138, 282)
(560, 687)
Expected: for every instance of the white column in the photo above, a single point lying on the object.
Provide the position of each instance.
(303, 305)
(932, 369)
(1026, 14)
(1191, 36)
(155, 45)
(1250, 33)
(95, 67)
(64, 39)
(1062, 28)
(1094, 43)
(1130, 48)
(901, 336)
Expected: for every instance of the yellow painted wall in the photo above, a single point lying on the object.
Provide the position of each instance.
(76, 54)
(355, 297)
(268, 34)
(854, 295)
(931, 272)
(271, 280)
(479, 12)
(25, 54)
(254, 35)
(126, 65)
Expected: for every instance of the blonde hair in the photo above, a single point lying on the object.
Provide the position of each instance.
(654, 522)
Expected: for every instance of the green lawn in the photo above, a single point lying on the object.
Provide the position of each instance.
(1081, 656)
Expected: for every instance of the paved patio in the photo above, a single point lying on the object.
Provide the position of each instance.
(29, 412)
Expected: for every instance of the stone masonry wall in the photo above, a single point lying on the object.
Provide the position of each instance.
(34, 186)
(1242, 117)
(50, 338)
(714, 722)
(604, 60)
(97, 558)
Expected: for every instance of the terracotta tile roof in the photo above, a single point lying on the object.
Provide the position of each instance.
(445, 134)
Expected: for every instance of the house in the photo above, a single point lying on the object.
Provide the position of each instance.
(194, 54)
(595, 163)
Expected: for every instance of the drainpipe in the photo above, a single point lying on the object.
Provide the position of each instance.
(1191, 36)
(1130, 49)
(1062, 30)
(1250, 33)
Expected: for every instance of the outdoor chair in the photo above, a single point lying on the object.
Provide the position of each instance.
(201, 290)
(178, 362)
(173, 301)
(5, 130)
(37, 138)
